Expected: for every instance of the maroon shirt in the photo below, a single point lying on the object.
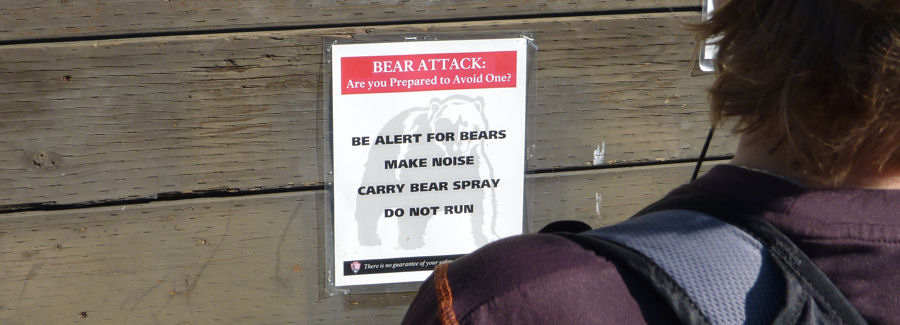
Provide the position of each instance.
(852, 235)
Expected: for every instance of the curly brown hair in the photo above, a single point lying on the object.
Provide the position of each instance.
(821, 75)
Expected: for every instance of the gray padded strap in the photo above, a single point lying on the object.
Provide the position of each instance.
(727, 273)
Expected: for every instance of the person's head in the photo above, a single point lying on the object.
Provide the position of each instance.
(821, 77)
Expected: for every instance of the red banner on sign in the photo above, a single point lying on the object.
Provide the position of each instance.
(422, 72)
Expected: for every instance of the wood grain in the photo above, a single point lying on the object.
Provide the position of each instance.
(118, 119)
(30, 19)
(243, 260)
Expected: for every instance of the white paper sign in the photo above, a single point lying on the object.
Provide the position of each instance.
(429, 153)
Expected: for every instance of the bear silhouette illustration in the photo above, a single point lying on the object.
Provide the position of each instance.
(454, 114)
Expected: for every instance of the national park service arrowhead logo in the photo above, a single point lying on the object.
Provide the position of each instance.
(355, 267)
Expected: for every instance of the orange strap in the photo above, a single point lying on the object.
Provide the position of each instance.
(444, 296)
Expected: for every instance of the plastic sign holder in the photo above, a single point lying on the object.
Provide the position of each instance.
(426, 153)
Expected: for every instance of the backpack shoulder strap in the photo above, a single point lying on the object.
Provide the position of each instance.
(725, 274)
(811, 296)
(713, 270)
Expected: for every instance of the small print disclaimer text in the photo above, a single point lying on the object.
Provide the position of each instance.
(391, 265)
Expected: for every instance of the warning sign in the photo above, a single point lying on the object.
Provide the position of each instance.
(428, 153)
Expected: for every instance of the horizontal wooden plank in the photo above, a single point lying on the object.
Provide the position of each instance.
(107, 120)
(249, 259)
(30, 19)
(607, 196)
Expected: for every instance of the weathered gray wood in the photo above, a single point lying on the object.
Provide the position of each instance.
(247, 260)
(104, 120)
(29, 19)
(607, 196)
(240, 260)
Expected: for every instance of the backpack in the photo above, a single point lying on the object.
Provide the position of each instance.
(715, 264)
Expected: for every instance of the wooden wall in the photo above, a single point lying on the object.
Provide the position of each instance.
(159, 159)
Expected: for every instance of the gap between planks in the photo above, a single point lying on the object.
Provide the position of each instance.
(202, 197)
(43, 41)
(687, 12)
